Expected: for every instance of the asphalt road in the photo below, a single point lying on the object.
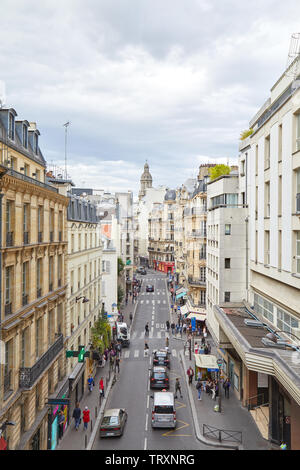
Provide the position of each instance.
(132, 391)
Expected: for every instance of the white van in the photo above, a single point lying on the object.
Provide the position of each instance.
(123, 334)
(163, 410)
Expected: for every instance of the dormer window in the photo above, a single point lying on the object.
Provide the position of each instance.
(11, 128)
(36, 146)
(25, 136)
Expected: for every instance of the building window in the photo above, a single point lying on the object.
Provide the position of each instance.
(227, 229)
(8, 367)
(39, 337)
(11, 126)
(26, 224)
(25, 283)
(285, 322)
(267, 152)
(226, 296)
(298, 190)
(202, 297)
(297, 132)
(50, 273)
(227, 263)
(9, 223)
(8, 289)
(267, 199)
(25, 356)
(267, 247)
(298, 252)
(263, 307)
(25, 136)
(39, 277)
(40, 224)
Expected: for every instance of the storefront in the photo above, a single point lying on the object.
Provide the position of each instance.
(206, 367)
(76, 384)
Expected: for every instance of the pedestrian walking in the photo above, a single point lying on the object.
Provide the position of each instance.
(190, 374)
(61, 422)
(117, 364)
(101, 387)
(126, 299)
(147, 329)
(173, 328)
(146, 349)
(86, 418)
(77, 416)
(177, 388)
(90, 383)
(167, 341)
(226, 386)
(199, 388)
(167, 325)
(130, 317)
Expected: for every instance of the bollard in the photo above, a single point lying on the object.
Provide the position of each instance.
(85, 441)
(91, 426)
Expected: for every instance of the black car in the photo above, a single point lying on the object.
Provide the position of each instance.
(159, 377)
(161, 358)
(149, 288)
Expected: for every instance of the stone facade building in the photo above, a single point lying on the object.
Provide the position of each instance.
(33, 284)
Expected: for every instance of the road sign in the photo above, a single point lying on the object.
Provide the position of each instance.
(58, 401)
(219, 362)
(193, 323)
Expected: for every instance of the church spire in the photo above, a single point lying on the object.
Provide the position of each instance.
(146, 181)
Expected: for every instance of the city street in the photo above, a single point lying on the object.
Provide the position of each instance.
(132, 390)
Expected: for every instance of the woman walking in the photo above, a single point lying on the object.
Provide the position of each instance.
(86, 418)
(77, 416)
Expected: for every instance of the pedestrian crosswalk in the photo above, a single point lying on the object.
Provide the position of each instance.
(147, 302)
(157, 334)
(139, 353)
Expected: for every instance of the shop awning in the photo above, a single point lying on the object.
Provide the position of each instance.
(182, 294)
(198, 316)
(184, 310)
(180, 290)
(206, 361)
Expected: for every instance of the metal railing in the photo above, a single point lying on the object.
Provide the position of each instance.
(28, 375)
(28, 179)
(196, 282)
(222, 435)
(256, 400)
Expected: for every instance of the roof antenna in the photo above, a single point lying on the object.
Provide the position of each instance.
(66, 125)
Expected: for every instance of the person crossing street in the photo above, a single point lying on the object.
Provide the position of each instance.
(177, 388)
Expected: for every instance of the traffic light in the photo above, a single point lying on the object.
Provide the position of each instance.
(81, 353)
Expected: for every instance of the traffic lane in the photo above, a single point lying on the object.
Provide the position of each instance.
(129, 393)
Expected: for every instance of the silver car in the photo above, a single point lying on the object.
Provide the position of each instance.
(113, 422)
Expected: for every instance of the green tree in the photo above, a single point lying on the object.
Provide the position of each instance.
(218, 170)
(245, 134)
(120, 296)
(101, 334)
(121, 266)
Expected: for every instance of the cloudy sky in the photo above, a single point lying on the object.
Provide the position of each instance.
(170, 81)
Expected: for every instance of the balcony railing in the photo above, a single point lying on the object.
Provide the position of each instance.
(196, 282)
(197, 234)
(28, 179)
(9, 238)
(28, 375)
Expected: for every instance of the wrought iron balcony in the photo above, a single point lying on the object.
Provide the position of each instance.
(28, 375)
(196, 282)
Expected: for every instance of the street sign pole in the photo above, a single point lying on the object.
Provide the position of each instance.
(220, 362)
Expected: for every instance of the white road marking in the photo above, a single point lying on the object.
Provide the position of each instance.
(145, 444)
(159, 334)
(157, 325)
(136, 353)
(158, 301)
(148, 401)
(126, 354)
(147, 301)
(146, 424)
(174, 352)
(141, 301)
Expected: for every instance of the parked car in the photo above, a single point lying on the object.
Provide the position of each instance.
(159, 377)
(149, 288)
(142, 271)
(113, 422)
(161, 358)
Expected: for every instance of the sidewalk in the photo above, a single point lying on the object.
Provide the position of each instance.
(233, 416)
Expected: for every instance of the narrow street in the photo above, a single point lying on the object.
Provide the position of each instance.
(132, 390)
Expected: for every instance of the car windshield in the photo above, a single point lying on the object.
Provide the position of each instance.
(163, 409)
(161, 354)
(159, 375)
(123, 331)
(110, 420)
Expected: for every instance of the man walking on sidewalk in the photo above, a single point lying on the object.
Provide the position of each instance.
(190, 374)
(117, 364)
(77, 416)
